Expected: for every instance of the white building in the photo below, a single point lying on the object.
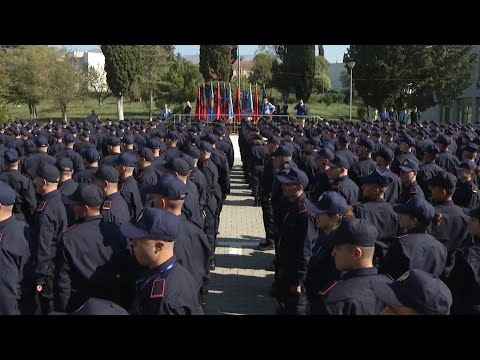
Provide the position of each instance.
(96, 60)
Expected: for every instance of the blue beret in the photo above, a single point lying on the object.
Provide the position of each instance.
(11, 156)
(357, 232)
(368, 143)
(407, 139)
(86, 194)
(416, 289)
(219, 131)
(344, 138)
(29, 144)
(48, 172)
(408, 165)
(7, 194)
(275, 140)
(171, 188)
(330, 202)
(287, 133)
(296, 176)
(107, 173)
(126, 159)
(155, 223)
(211, 138)
(153, 144)
(376, 177)
(471, 147)
(417, 207)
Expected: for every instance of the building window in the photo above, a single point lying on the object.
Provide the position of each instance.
(446, 114)
(466, 110)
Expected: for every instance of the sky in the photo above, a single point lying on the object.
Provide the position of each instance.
(333, 53)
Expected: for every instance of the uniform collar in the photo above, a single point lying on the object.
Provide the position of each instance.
(165, 265)
(91, 218)
(360, 272)
(128, 179)
(113, 196)
(52, 194)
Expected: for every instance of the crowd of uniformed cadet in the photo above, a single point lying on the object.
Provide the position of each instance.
(100, 215)
(368, 217)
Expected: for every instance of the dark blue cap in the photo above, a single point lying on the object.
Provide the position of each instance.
(407, 139)
(107, 173)
(126, 159)
(284, 149)
(344, 138)
(178, 165)
(95, 306)
(7, 194)
(128, 139)
(11, 156)
(91, 155)
(357, 232)
(444, 180)
(146, 153)
(339, 161)
(330, 202)
(113, 141)
(408, 165)
(466, 165)
(157, 224)
(153, 144)
(205, 147)
(68, 138)
(41, 141)
(417, 207)
(219, 131)
(192, 151)
(211, 138)
(171, 135)
(49, 173)
(381, 179)
(432, 149)
(274, 140)
(287, 133)
(416, 289)
(368, 143)
(296, 176)
(386, 153)
(315, 142)
(171, 188)
(64, 164)
(29, 144)
(471, 147)
(443, 139)
(86, 194)
(326, 153)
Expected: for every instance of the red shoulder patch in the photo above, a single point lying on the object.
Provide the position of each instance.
(158, 289)
(60, 188)
(205, 163)
(107, 205)
(41, 206)
(302, 207)
(69, 228)
(328, 288)
(401, 236)
(413, 189)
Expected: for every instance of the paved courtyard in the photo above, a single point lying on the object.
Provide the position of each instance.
(243, 276)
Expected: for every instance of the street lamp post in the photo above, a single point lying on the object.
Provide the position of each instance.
(350, 66)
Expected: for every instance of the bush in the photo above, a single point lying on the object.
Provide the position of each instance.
(178, 109)
(338, 97)
(5, 115)
(361, 111)
(292, 99)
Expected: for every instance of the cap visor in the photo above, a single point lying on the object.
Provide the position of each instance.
(400, 209)
(406, 169)
(130, 231)
(286, 180)
(313, 209)
(385, 293)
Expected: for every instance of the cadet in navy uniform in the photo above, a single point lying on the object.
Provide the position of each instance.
(96, 306)
(33, 162)
(446, 160)
(295, 243)
(66, 186)
(415, 293)
(50, 222)
(416, 249)
(26, 202)
(406, 147)
(171, 152)
(342, 145)
(450, 224)
(429, 169)
(384, 158)
(128, 186)
(146, 175)
(365, 164)
(113, 149)
(321, 181)
(191, 247)
(69, 153)
(354, 244)
(168, 288)
(258, 155)
(408, 175)
(329, 212)
(114, 208)
(16, 296)
(466, 193)
(377, 211)
(341, 183)
(91, 157)
(464, 279)
(94, 259)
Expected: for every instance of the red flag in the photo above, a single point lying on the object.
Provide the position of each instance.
(255, 104)
(203, 109)
(219, 102)
(237, 106)
(197, 105)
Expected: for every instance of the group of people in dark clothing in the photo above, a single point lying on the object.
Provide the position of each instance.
(116, 216)
(368, 217)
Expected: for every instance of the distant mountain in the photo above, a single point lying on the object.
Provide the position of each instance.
(196, 58)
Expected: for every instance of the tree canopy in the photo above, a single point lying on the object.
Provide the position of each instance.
(216, 62)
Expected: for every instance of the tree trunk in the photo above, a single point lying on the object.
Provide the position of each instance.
(30, 109)
(120, 107)
(34, 111)
(63, 108)
(151, 104)
(100, 101)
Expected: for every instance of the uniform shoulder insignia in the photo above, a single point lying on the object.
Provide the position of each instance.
(158, 289)
(391, 278)
(120, 187)
(69, 228)
(60, 188)
(401, 236)
(140, 175)
(41, 206)
(107, 205)
(302, 207)
(1, 236)
(328, 288)
(413, 189)
(205, 162)
(473, 189)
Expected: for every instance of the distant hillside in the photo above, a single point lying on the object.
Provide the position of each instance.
(196, 58)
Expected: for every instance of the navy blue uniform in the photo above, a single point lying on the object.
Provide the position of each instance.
(50, 223)
(394, 188)
(347, 188)
(16, 287)
(33, 162)
(191, 206)
(408, 191)
(146, 179)
(94, 260)
(25, 201)
(395, 166)
(110, 159)
(197, 177)
(426, 173)
(115, 210)
(347, 154)
(67, 188)
(352, 294)
(447, 161)
(129, 190)
(466, 195)
(167, 290)
(170, 153)
(85, 176)
(361, 168)
(414, 251)
(77, 160)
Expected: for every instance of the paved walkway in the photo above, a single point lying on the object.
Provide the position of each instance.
(241, 281)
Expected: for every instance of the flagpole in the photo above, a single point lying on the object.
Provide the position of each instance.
(238, 57)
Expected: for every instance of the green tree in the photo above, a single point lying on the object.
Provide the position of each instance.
(321, 81)
(262, 69)
(29, 71)
(66, 82)
(301, 66)
(321, 51)
(97, 83)
(216, 62)
(123, 64)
